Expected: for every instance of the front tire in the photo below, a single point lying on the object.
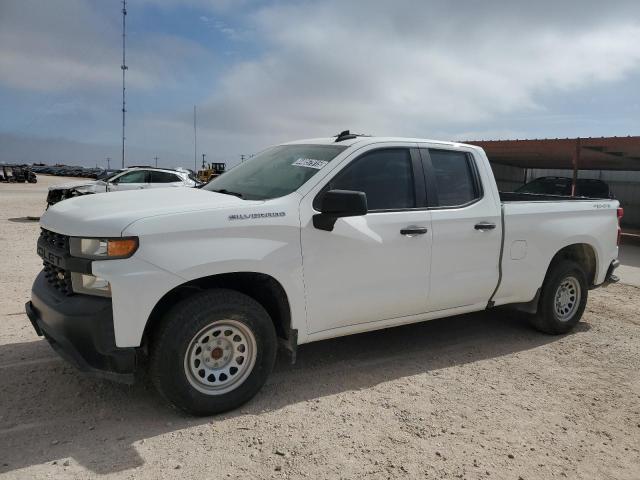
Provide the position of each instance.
(563, 298)
(212, 352)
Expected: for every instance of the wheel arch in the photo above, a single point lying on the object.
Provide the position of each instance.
(263, 288)
(583, 254)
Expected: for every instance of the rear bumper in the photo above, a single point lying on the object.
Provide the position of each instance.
(80, 330)
(610, 277)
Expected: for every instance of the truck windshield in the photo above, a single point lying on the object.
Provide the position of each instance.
(275, 172)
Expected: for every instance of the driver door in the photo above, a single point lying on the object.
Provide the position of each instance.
(369, 268)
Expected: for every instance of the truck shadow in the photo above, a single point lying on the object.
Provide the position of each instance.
(24, 219)
(49, 411)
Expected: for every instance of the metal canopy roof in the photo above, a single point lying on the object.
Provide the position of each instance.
(605, 153)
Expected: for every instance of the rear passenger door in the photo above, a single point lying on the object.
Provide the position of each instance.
(159, 179)
(466, 225)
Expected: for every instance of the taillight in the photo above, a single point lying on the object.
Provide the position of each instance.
(620, 215)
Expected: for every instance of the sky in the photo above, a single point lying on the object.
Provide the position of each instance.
(262, 72)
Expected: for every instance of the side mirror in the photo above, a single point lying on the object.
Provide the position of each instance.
(339, 203)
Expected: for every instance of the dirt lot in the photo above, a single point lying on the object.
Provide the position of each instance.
(476, 396)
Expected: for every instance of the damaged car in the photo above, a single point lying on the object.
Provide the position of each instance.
(128, 179)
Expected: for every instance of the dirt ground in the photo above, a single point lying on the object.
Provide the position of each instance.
(475, 397)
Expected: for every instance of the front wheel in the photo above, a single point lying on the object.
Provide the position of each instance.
(213, 352)
(563, 298)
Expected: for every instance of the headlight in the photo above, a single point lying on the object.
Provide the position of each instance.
(90, 285)
(103, 248)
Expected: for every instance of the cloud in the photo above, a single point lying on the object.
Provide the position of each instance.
(69, 152)
(427, 68)
(217, 6)
(58, 46)
(412, 67)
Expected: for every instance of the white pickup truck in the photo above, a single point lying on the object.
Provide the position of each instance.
(306, 241)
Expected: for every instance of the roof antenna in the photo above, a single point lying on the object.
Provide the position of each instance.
(345, 135)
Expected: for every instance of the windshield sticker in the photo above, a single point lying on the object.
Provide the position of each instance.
(310, 163)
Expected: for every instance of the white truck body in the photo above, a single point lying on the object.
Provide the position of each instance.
(306, 241)
(361, 276)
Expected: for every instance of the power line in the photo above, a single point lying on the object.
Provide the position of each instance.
(124, 69)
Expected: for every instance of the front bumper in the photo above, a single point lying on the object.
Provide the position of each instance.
(80, 330)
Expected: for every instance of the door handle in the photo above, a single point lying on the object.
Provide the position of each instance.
(413, 230)
(485, 226)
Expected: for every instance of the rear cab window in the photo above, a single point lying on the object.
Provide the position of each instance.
(452, 178)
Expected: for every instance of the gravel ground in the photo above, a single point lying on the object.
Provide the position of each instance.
(477, 397)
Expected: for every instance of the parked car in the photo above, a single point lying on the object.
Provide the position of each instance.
(305, 241)
(129, 179)
(585, 187)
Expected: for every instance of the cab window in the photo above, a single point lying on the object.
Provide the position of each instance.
(455, 178)
(385, 176)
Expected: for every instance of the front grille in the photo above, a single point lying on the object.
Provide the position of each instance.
(56, 240)
(58, 278)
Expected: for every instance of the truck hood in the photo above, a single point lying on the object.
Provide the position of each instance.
(108, 215)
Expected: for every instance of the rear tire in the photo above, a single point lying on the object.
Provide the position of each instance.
(212, 352)
(563, 298)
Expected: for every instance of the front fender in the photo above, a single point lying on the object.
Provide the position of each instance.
(269, 245)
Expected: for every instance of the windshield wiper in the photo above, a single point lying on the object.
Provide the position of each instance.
(228, 192)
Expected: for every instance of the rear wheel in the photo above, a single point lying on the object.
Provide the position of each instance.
(563, 298)
(213, 352)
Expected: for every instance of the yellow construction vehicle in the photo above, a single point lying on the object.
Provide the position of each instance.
(211, 171)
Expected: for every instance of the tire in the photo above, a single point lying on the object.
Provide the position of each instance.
(200, 342)
(565, 282)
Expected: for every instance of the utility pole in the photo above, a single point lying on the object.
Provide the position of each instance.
(195, 141)
(108, 163)
(124, 69)
(204, 165)
(156, 159)
(242, 158)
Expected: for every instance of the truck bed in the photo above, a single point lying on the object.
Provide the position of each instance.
(535, 226)
(541, 197)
